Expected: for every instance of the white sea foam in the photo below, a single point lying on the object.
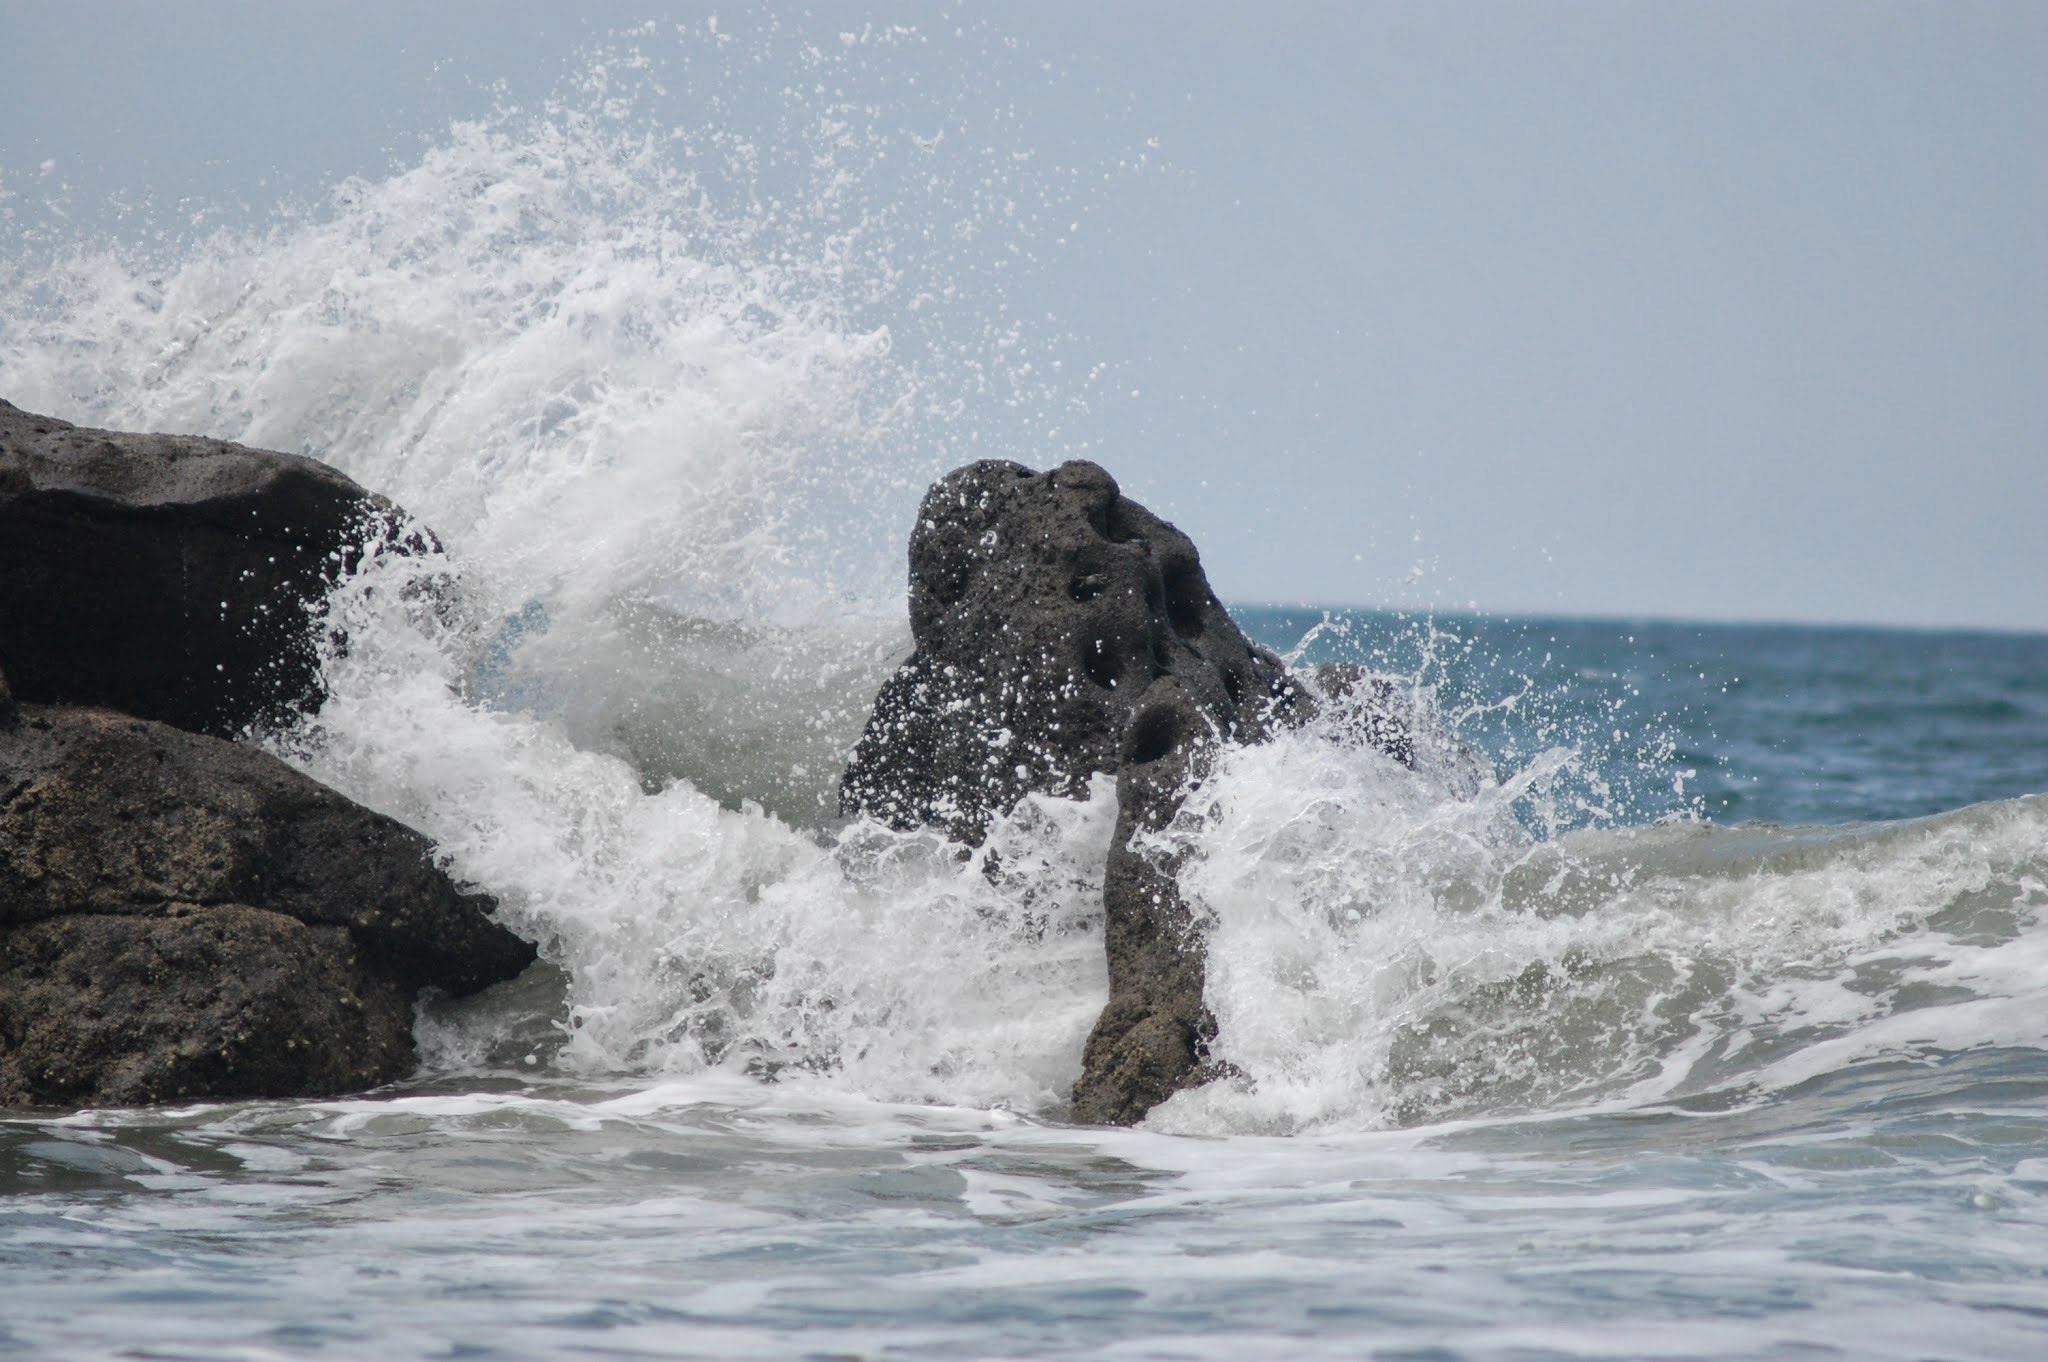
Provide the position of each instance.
(659, 433)
(1379, 953)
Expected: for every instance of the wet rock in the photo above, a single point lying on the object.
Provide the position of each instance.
(228, 1000)
(173, 577)
(1151, 1039)
(182, 916)
(1061, 630)
(1044, 608)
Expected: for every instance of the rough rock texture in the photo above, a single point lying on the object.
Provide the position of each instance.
(99, 1009)
(168, 576)
(1045, 608)
(183, 917)
(1064, 630)
(1151, 1039)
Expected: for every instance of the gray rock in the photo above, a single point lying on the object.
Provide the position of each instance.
(173, 577)
(183, 917)
(1044, 607)
(1062, 630)
(198, 1002)
(1151, 1039)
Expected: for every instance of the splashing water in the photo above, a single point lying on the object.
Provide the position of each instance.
(658, 426)
(665, 397)
(1382, 954)
(665, 362)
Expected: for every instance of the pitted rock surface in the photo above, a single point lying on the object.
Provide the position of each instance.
(169, 576)
(1063, 630)
(1045, 607)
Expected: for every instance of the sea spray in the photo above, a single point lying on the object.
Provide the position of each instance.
(1670, 1088)
(1380, 954)
(664, 395)
(691, 935)
(664, 360)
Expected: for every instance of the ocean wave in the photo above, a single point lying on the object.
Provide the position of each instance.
(669, 434)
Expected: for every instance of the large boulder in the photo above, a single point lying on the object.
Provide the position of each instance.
(221, 1001)
(1045, 609)
(173, 577)
(1062, 630)
(185, 917)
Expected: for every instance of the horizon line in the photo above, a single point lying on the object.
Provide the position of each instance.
(1638, 617)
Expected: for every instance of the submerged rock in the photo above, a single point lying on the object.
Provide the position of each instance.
(173, 577)
(186, 917)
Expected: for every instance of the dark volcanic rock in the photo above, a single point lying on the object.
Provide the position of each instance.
(169, 576)
(1152, 1037)
(1064, 630)
(220, 1001)
(182, 917)
(1045, 607)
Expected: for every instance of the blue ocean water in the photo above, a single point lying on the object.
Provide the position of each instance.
(1844, 1156)
(1780, 723)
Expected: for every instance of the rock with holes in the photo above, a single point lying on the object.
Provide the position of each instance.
(169, 576)
(1045, 608)
(1064, 630)
(185, 917)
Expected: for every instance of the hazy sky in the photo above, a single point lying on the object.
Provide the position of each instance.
(1709, 310)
